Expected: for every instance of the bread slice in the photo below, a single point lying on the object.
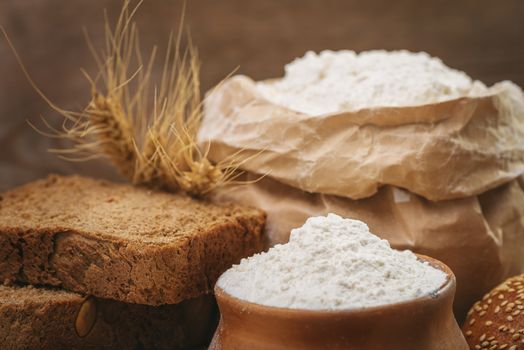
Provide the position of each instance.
(39, 318)
(120, 242)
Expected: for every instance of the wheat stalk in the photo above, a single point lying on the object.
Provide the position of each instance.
(148, 134)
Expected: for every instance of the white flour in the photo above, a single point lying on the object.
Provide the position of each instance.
(331, 263)
(345, 81)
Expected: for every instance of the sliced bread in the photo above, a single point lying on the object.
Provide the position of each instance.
(41, 318)
(116, 241)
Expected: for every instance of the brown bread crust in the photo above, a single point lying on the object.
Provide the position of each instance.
(120, 242)
(497, 321)
(40, 318)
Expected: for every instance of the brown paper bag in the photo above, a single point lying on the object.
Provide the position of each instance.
(458, 163)
(441, 151)
(481, 238)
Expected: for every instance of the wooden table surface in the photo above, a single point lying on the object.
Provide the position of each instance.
(484, 38)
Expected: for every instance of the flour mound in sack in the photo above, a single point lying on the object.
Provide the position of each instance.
(334, 81)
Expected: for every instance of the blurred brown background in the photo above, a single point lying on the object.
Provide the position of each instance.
(482, 37)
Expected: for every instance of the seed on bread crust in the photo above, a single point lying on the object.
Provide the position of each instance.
(86, 317)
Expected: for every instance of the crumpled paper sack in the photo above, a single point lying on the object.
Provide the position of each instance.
(440, 179)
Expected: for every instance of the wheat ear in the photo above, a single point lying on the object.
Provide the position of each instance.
(148, 133)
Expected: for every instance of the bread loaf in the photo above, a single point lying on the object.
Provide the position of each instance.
(120, 242)
(42, 318)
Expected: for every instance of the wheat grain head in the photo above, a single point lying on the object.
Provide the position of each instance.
(147, 130)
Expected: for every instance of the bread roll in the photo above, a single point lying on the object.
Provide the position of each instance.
(497, 321)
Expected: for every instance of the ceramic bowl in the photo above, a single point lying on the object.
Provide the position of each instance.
(425, 323)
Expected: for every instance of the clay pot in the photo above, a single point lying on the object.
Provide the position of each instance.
(425, 323)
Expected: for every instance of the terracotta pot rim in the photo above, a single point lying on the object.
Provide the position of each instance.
(447, 287)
